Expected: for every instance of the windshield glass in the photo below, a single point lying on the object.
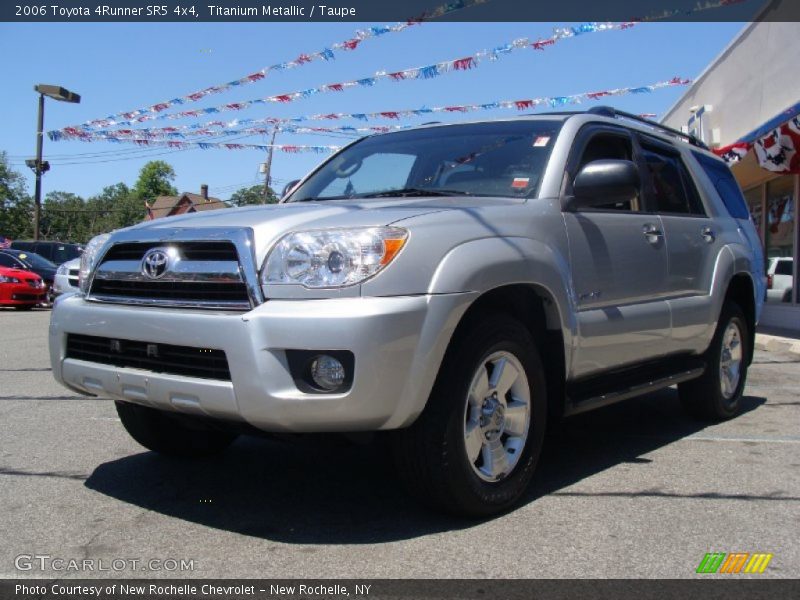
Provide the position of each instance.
(36, 261)
(502, 158)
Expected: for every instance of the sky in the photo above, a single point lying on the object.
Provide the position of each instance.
(118, 67)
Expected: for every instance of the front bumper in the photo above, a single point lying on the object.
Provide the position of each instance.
(398, 344)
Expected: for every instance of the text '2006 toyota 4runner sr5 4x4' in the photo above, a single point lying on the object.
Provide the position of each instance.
(457, 284)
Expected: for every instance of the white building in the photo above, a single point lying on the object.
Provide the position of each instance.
(749, 90)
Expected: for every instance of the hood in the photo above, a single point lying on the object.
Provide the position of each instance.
(271, 221)
(18, 273)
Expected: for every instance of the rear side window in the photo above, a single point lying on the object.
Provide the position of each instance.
(672, 186)
(725, 184)
(784, 267)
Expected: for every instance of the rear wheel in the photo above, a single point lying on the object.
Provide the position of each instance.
(474, 448)
(717, 395)
(157, 431)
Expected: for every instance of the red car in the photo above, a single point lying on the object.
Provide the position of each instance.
(21, 289)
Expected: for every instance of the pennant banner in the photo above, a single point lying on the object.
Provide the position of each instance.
(325, 54)
(290, 148)
(426, 72)
(246, 126)
(777, 151)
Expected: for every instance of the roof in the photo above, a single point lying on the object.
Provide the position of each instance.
(164, 206)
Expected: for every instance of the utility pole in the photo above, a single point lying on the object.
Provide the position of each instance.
(268, 165)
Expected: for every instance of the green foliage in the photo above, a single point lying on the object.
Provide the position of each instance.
(16, 206)
(154, 180)
(253, 195)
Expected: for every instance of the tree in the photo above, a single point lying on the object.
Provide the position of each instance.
(16, 206)
(154, 180)
(253, 195)
(64, 217)
(115, 207)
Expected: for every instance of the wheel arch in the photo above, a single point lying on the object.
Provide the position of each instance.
(536, 308)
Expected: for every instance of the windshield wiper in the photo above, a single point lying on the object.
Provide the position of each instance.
(401, 193)
(407, 192)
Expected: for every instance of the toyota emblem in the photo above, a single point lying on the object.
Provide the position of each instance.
(156, 262)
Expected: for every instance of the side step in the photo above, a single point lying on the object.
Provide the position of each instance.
(608, 388)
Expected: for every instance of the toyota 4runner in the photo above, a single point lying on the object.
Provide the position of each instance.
(457, 285)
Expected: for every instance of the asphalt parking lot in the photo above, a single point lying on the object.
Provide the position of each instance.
(633, 490)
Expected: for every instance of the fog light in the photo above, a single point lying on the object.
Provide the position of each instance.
(327, 372)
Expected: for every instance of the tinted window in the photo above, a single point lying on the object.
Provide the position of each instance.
(784, 267)
(22, 246)
(9, 261)
(608, 146)
(720, 175)
(34, 260)
(61, 253)
(671, 185)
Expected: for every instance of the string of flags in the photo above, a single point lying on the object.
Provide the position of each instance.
(288, 148)
(248, 126)
(154, 112)
(326, 54)
(416, 73)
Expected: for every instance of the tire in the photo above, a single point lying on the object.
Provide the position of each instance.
(24, 307)
(156, 431)
(710, 397)
(432, 454)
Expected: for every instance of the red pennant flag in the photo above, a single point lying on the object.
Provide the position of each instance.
(462, 64)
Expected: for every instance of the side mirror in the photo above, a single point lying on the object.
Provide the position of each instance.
(603, 182)
(289, 187)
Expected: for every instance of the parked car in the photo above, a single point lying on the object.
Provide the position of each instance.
(780, 279)
(20, 288)
(55, 252)
(455, 285)
(32, 262)
(66, 280)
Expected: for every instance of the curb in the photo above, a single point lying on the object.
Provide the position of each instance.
(774, 343)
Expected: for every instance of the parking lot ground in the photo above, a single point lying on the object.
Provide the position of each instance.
(633, 490)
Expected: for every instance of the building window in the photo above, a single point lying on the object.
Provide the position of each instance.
(779, 238)
(753, 198)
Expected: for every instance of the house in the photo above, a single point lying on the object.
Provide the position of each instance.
(168, 206)
(745, 106)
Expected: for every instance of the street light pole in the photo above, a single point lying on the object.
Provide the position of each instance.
(38, 169)
(38, 165)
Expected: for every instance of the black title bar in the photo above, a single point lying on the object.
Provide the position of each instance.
(380, 11)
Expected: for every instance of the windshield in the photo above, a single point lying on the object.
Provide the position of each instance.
(36, 261)
(502, 158)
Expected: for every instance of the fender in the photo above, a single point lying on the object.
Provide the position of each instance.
(484, 264)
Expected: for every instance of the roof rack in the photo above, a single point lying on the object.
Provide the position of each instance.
(613, 113)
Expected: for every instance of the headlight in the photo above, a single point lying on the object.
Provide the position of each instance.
(327, 258)
(62, 269)
(4, 279)
(88, 259)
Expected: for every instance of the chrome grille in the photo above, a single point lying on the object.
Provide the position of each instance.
(202, 274)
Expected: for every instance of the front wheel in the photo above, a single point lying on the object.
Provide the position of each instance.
(717, 394)
(474, 448)
(157, 431)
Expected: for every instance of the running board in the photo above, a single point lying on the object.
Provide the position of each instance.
(598, 391)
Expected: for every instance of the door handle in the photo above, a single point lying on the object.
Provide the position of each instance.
(708, 235)
(652, 233)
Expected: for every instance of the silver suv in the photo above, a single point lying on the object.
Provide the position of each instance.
(456, 285)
